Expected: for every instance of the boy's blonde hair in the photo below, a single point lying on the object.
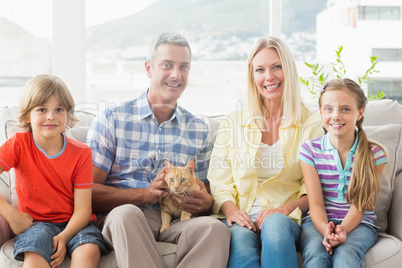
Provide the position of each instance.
(292, 104)
(364, 185)
(37, 92)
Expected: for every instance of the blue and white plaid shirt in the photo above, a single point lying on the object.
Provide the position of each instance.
(128, 143)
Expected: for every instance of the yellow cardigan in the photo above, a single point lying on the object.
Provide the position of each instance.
(232, 176)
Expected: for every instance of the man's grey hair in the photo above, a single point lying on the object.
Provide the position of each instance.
(169, 38)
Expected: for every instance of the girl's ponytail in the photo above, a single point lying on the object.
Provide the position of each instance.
(364, 184)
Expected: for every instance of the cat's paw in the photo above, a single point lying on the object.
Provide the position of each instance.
(185, 216)
(163, 228)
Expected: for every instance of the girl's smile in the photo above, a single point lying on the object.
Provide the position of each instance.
(339, 114)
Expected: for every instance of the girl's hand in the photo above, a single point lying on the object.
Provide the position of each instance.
(340, 236)
(59, 247)
(241, 218)
(266, 212)
(20, 221)
(329, 235)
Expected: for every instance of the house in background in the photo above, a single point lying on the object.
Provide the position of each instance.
(365, 28)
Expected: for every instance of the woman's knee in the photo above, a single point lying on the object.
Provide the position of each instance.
(279, 226)
(276, 221)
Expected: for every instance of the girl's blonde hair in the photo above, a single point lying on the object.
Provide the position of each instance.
(292, 104)
(37, 92)
(364, 185)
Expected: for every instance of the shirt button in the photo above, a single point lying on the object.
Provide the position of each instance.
(160, 129)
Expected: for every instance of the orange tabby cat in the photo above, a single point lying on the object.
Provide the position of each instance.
(180, 181)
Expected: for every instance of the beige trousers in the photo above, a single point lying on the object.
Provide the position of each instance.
(201, 242)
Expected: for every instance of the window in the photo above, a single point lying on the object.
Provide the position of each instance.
(388, 54)
(392, 89)
(379, 13)
(220, 33)
(27, 49)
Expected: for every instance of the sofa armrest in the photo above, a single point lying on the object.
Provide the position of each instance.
(395, 210)
(4, 194)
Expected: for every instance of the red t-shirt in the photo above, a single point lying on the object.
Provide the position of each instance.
(45, 184)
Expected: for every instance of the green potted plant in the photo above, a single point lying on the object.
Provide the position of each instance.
(315, 82)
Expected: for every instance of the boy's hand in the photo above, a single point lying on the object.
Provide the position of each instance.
(20, 221)
(59, 247)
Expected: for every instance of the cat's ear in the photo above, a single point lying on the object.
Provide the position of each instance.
(167, 164)
(190, 166)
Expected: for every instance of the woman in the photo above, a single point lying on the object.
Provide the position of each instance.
(255, 176)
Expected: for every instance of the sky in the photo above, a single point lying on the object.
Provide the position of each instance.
(36, 16)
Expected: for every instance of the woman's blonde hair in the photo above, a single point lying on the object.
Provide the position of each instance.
(364, 184)
(37, 92)
(292, 104)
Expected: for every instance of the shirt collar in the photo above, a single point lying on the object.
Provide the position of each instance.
(144, 109)
(327, 145)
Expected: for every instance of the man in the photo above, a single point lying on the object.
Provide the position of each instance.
(130, 144)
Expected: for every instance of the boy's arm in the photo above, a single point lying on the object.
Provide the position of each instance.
(18, 221)
(79, 220)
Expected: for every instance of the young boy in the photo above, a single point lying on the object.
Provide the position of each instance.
(53, 182)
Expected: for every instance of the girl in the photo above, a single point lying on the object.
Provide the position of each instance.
(341, 171)
(53, 182)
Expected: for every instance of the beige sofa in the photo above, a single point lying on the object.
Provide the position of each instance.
(383, 122)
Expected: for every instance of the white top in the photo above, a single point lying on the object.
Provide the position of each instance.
(269, 163)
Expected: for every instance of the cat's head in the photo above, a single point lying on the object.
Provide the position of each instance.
(180, 179)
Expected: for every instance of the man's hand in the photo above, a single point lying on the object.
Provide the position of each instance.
(195, 202)
(20, 221)
(157, 189)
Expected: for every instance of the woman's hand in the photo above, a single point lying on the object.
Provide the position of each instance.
(241, 218)
(233, 214)
(266, 212)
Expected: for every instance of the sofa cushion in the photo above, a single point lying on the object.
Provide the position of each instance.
(395, 210)
(386, 252)
(390, 137)
(6, 113)
(382, 112)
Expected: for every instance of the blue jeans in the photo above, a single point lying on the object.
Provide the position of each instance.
(348, 254)
(39, 238)
(275, 247)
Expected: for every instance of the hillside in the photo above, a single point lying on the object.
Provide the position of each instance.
(202, 21)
